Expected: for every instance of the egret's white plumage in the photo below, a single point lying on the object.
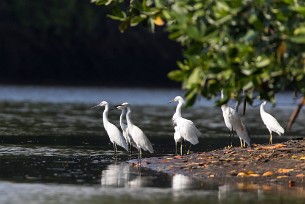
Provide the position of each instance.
(177, 138)
(186, 128)
(136, 133)
(113, 132)
(124, 127)
(270, 122)
(234, 123)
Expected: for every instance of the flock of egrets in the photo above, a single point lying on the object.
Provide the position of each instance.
(185, 130)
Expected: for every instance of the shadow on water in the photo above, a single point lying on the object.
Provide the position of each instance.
(60, 153)
(62, 174)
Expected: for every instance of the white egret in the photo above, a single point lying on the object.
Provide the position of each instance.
(178, 138)
(113, 132)
(136, 133)
(234, 123)
(185, 127)
(270, 122)
(124, 127)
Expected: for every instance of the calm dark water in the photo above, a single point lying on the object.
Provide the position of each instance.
(53, 148)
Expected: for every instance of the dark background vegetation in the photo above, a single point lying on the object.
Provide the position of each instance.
(73, 43)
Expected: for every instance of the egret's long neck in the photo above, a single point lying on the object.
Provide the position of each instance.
(262, 108)
(178, 109)
(122, 117)
(129, 123)
(105, 116)
(224, 107)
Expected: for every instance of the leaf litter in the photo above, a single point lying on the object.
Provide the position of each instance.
(281, 163)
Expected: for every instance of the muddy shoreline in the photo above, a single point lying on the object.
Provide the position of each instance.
(281, 163)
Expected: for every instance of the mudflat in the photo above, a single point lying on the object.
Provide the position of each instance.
(281, 163)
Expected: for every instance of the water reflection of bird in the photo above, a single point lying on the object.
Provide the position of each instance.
(136, 133)
(113, 132)
(234, 123)
(124, 127)
(116, 175)
(136, 179)
(140, 181)
(124, 175)
(185, 127)
(270, 122)
(224, 191)
(180, 181)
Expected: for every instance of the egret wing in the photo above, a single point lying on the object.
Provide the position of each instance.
(243, 133)
(116, 136)
(188, 131)
(141, 140)
(177, 136)
(272, 123)
(130, 140)
(227, 115)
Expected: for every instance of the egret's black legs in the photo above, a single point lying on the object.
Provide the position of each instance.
(130, 149)
(139, 156)
(231, 136)
(181, 148)
(115, 150)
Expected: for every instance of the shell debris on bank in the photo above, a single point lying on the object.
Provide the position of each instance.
(282, 163)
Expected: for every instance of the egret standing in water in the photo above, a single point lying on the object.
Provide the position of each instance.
(234, 123)
(270, 122)
(136, 133)
(184, 127)
(113, 132)
(178, 138)
(124, 127)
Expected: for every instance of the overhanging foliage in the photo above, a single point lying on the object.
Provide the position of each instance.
(241, 46)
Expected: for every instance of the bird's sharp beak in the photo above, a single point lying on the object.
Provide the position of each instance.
(171, 101)
(114, 107)
(95, 106)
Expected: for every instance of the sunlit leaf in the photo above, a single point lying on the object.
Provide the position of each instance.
(301, 175)
(136, 20)
(268, 173)
(257, 47)
(176, 75)
(263, 63)
(116, 18)
(299, 30)
(191, 96)
(241, 174)
(299, 9)
(101, 2)
(281, 177)
(300, 39)
(276, 146)
(283, 171)
(195, 76)
(158, 21)
(254, 175)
